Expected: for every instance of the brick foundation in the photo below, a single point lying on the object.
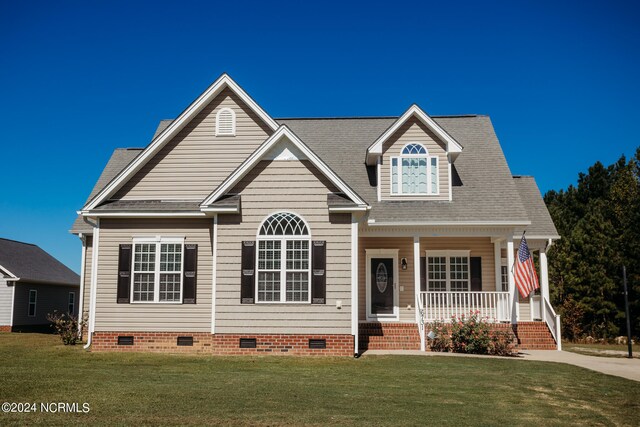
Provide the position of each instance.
(5, 328)
(224, 344)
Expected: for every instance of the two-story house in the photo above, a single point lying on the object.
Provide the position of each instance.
(233, 232)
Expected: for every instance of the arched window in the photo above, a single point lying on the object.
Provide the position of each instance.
(414, 172)
(284, 263)
(226, 122)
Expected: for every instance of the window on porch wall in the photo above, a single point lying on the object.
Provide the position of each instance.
(448, 273)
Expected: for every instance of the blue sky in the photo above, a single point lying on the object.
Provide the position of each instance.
(78, 79)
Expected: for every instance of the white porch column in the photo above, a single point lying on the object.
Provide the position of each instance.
(416, 286)
(497, 259)
(513, 294)
(544, 281)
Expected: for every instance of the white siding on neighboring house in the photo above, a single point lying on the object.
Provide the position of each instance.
(150, 317)
(196, 161)
(414, 131)
(298, 187)
(6, 301)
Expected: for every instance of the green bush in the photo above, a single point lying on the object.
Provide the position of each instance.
(470, 335)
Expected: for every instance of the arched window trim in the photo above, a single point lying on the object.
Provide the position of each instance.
(233, 122)
(395, 179)
(289, 259)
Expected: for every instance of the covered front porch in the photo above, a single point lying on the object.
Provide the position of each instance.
(408, 282)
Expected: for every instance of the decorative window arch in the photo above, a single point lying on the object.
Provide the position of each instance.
(414, 172)
(226, 122)
(284, 259)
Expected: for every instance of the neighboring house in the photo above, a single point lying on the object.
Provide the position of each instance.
(32, 285)
(233, 232)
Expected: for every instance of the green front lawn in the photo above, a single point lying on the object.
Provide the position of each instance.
(602, 350)
(391, 390)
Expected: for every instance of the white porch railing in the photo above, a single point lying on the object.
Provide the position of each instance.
(492, 306)
(553, 322)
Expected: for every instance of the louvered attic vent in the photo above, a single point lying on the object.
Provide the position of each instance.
(225, 122)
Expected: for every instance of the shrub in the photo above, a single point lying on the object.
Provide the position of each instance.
(502, 344)
(66, 325)
(441, 341)
(470, 335)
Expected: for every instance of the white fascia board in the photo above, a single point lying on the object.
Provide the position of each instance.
(350, 209)
(518, 236)
(143, 214)
(247, 165)
(10, 274)
(220, 210)
(375, 150)
(172, 130)
(373, 223)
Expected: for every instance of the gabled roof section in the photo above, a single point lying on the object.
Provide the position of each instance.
(453, 147)
(26, 262)
(282, 134)
(172, 129)
(542, 225)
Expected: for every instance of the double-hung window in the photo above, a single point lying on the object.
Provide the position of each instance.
(448, 271)
(72, 303)
(33, 299)
(157, 270)
(283, 262)
(414, 172)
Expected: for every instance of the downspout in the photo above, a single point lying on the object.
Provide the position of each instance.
(94, 282)
(83, 258)
(354, 284)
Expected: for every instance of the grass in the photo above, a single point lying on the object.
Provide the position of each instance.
(601, 350)
(150, 389)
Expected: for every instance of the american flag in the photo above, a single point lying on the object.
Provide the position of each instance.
(525, 272)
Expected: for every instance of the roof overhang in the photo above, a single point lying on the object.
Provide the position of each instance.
(10, 275)
(224, 81)
(453, 147)
(128, 214)
(374, 223)
(282, 134)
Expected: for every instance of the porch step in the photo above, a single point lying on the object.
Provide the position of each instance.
(534, 336)
(388, 336)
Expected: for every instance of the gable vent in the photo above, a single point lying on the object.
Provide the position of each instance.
(226, 122)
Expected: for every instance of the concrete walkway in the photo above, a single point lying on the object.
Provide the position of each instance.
(620, 367)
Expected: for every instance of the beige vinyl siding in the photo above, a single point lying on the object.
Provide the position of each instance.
(479, 247)
(524, 305)
(406, 296)
(414, 131)
(86, 298)
(150, 317)
(50, 298)
(6, 301)
(196, 161)
(298, 187)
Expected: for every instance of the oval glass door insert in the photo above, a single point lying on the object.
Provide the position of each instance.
(382, 278)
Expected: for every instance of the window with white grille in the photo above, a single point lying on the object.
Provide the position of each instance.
(448, 271)
(414, 171)
(226, 122)
(157, 270)
(283, 259)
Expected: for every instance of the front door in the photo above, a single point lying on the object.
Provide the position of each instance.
(381, 287)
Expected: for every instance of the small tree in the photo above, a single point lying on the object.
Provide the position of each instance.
(67, 326)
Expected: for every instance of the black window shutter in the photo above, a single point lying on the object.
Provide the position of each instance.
(423, 274)
(189, 282)
(124, 274)
(318, 272)
(248, 275)
(476, 274)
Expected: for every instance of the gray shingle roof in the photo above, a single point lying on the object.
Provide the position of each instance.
(486, 193)
(149, 205)
(120, 158)
(483, 191)
(31, 264)
(541, 222)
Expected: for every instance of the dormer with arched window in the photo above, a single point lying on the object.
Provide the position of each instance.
(414, 171)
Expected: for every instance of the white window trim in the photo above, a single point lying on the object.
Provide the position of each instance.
(158, 240)
(71, 304)
(414, 156)
(283, 260)
(448, 255)
(35, 303)
(233, 122)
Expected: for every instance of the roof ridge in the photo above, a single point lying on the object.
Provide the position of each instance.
(18, 241)
(444, 116)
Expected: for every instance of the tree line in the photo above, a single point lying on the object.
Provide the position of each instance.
(599, 224)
